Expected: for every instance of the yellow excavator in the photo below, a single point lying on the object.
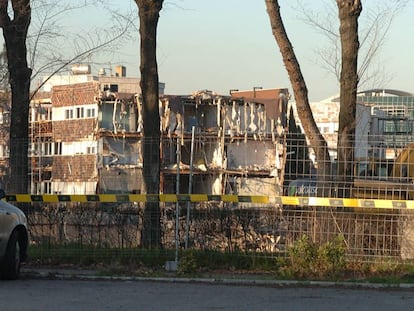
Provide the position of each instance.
(386, 180)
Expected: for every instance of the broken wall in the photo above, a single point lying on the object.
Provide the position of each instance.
(114, 150)
(117, 116)
(252, 155)
(120, 165)
(238, 144)
(243, 117)
(211, 183)
(120, 179)
(267, 186)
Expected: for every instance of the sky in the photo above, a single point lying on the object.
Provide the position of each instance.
(228, 44)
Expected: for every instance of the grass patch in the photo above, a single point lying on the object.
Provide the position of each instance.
(117, 260)
(72, 254)
(192, 262)
(305, 261)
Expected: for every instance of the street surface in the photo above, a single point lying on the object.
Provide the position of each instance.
(79, 295)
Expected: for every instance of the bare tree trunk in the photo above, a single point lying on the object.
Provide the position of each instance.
(348, 11)
(300, 91)
(15, 34)
(148, 16)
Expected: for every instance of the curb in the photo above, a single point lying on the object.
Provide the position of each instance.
(90, 275)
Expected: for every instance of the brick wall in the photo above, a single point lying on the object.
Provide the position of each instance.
(74, 168)
(74, 94)
(73, 130)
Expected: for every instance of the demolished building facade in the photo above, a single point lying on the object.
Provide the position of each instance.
(86, 138)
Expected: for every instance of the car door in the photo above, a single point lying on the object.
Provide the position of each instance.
(7, 218)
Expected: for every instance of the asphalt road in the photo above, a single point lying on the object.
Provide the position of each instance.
(62, 295)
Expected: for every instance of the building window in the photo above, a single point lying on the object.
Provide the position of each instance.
(90, 150)
(397, 127)
(90, 113)
(42, 113)
(47, 187)
(79, 112)
(34, 147)
(68, 114)
(4, 117)
(47, 149)
(58, 148)
(4, 151)
(113, 88)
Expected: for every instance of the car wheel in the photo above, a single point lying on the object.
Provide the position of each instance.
(11, 268)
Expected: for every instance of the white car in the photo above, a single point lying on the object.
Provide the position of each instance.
(13, 239)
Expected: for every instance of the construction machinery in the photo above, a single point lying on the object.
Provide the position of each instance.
(384, 155)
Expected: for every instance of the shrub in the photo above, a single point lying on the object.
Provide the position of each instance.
(187, 264)
(309, 260)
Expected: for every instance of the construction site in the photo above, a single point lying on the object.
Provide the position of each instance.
(93, 142)
(86, 139)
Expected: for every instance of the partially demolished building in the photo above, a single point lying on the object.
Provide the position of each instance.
(86, 138)
(237, 147)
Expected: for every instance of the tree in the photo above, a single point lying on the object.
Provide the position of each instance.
(351, 58)
(46, 54)
(15, 20)
(376, 22)
(349, 12)
(48, 38)
(148, 17)
(5, 106)
(300, 91)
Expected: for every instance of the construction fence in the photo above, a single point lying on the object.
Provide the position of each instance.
(370, 234)
(232, 195)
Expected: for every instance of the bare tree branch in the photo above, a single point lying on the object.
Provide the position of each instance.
(49, 35)
(377, 20)
(80, 56)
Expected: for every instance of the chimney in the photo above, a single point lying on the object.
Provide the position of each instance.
(120, 71)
